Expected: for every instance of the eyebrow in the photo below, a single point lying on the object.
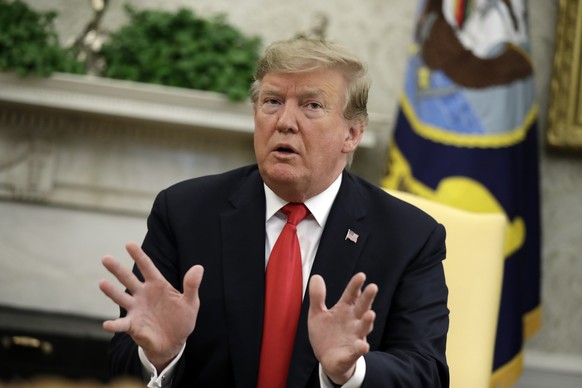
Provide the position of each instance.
(270, 91)
(308, 93)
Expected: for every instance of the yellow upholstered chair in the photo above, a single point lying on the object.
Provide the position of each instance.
(474, 272)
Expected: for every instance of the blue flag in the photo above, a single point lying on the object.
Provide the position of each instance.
(466, 136)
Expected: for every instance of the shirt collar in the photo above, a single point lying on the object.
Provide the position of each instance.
(319, 206)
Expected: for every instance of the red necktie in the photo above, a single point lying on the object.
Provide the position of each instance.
(284, 289)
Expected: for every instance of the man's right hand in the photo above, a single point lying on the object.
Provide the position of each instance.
(159, 317)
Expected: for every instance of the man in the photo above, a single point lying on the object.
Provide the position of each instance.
(375, 259)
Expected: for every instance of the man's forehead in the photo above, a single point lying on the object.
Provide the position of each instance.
(304, 84)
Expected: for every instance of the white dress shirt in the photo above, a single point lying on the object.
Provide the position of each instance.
(309, 234)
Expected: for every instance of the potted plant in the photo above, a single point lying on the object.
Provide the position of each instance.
(184, 50)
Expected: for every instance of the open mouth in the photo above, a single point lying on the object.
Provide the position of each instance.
(285, 150)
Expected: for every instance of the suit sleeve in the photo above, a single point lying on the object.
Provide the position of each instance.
(411, 348)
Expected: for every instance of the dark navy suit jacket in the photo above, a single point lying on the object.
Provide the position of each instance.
(219, 222)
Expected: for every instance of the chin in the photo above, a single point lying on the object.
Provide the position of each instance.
(281, 177)
(280, 174)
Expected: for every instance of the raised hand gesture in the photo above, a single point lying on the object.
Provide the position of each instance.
(159, 317)
(338, 335)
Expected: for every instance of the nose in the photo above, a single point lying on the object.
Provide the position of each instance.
(287, 120)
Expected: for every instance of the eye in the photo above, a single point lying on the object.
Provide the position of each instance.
(314, 105)
(270, 105)
(271, 101)
(313, 109)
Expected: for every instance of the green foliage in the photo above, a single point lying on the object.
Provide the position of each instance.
(181, 49)
(29, 43)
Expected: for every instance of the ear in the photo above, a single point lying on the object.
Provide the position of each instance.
(354, 134)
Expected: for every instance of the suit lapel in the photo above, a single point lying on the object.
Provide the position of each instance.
(335, 261)
(243, 233)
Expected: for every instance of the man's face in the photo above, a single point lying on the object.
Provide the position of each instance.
(301, 137)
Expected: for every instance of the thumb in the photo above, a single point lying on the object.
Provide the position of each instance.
(192, 281)
(317, 293)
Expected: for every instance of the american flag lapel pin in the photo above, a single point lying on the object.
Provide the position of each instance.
(352, 236)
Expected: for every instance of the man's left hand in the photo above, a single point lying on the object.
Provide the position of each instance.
(338, 335)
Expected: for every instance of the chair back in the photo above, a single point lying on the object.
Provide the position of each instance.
(474, 274)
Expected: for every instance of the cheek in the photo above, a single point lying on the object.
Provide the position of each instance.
(262, 141)
(260, 134)
(333, 141)
(264, 123)
(325, 148)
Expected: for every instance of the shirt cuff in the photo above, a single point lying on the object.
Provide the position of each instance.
(164, 378)
(355, 381)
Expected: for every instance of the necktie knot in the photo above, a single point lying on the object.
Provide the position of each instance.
(295, 212)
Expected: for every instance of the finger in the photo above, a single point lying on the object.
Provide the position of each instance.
(143, 262)
(366, 299)
(192, 281)
(353, 289)
(366, 324)
(121, 298)
(118, 325)
(317, 293)
(122, 273)
(368, 321)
